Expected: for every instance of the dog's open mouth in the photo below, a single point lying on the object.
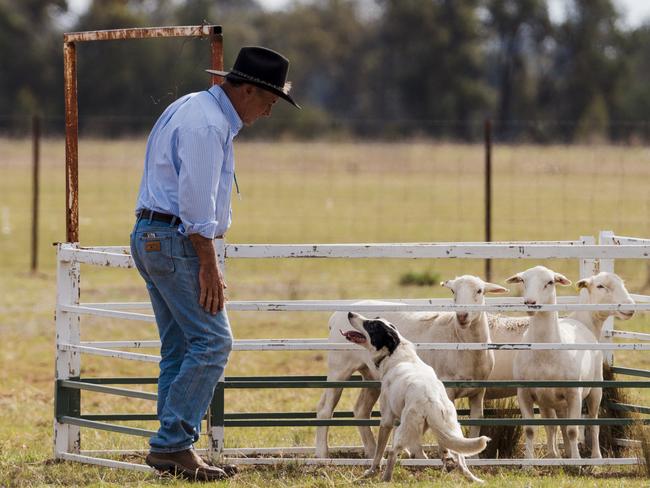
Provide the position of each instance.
(354, 336)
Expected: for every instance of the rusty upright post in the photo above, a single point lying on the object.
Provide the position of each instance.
(216, 53)
(488, 193)
(216, 424)
(36, 140)
(71, 147)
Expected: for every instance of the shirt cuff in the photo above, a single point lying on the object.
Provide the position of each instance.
(207, 230)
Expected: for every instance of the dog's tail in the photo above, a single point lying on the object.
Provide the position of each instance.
(462, 445)
(451, 437)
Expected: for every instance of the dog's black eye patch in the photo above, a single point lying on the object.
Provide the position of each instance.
(382, 335)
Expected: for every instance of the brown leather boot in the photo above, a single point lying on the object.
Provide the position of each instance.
(185, 463)
(230, 469)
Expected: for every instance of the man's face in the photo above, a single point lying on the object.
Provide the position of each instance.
(258, 104)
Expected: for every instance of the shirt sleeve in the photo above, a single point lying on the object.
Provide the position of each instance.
(201, 156)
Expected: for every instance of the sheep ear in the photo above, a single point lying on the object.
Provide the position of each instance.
(583, 283)
(492, 288)
(562, 280)
(515, 279)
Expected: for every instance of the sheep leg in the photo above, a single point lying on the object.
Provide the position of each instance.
(328, 401)
(526, 405)
(476, 411)
(574, 402)
(562, 413)
(593, 404)
(551, 432)
(362, 410)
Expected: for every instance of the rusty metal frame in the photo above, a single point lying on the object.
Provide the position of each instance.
(214, 32)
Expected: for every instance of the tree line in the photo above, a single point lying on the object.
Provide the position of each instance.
(367, 68)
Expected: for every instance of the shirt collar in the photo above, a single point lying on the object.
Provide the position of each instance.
(228, 109)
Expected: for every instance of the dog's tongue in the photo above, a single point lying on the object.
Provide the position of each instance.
(354, 336)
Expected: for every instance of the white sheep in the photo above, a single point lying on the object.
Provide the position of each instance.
(417, 327)
(604, 287)
(571, 365)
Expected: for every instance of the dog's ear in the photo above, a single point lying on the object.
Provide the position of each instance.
(382, 335)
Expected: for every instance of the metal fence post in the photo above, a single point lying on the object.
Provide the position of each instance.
(488, 193)
(217, 406)
(68, 363)
(607, 237)
(36, 157)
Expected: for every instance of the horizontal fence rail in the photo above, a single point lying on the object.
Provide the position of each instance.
(279, 459)
(142, 33)
(347, 306)
(437, 250)
(330, 346)
(119, 256)
(322, 382)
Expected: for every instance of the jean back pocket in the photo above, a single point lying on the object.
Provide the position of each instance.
(155, 251)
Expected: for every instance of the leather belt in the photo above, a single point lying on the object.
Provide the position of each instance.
(160, 217)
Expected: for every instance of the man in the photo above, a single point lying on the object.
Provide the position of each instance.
(183, 205)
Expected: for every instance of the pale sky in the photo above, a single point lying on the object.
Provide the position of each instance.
(635, 12)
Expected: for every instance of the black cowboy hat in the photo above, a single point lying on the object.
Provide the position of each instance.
(261, 67)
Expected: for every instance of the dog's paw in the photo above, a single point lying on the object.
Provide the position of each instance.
(449, 463)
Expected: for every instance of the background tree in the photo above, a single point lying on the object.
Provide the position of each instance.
(519, 30)
(371, 68)
(591, 67)
(429, 68)
(30, 57)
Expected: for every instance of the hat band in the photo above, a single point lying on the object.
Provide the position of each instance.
(285, 89)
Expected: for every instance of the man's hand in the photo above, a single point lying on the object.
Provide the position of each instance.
(211, 283)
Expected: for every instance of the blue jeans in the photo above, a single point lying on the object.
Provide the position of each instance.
(194, 343)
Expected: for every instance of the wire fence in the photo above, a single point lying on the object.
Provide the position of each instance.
(316, 124)
(340, 188)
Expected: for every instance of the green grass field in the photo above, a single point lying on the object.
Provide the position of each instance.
(293, 193)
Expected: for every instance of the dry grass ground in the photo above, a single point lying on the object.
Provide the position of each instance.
(293, 193)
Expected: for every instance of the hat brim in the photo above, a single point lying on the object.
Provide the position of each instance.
(268, 88)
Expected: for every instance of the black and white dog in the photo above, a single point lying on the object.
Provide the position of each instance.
(412, 397)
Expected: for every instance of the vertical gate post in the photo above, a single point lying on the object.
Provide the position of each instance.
(217, 406)
(216, 53)
(607, 237)
(68, 363)
(71, 142)
(588, 267)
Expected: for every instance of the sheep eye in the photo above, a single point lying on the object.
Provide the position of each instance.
(602, 287)
(550, 283)
(478, 292)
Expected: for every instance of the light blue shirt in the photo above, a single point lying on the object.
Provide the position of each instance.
(189, 164)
